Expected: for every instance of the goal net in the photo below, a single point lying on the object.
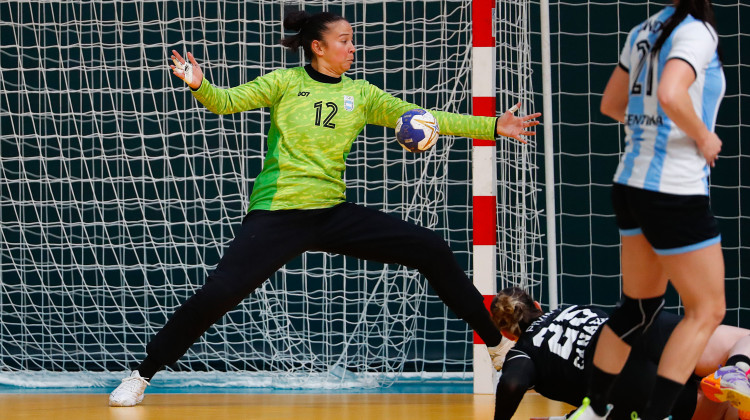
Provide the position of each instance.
(586, 41)
(119, 193)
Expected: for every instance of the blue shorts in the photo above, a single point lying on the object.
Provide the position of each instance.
(672, 224)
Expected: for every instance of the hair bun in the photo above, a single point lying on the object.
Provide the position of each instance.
(295, 20)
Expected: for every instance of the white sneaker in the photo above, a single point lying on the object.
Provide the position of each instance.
(129, 392)
(498, 353)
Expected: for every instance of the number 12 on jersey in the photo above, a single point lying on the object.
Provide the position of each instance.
(319, 114)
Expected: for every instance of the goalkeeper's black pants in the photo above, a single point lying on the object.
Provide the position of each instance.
(269, 239)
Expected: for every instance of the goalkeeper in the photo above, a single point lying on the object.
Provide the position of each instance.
(554, 351)
(298, 200)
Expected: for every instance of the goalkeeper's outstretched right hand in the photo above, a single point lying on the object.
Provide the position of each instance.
(190, 72)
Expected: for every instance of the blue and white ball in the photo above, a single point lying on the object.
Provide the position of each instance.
(417, 130)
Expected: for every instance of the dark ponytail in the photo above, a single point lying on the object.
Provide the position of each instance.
(309, 27)
(700, 9)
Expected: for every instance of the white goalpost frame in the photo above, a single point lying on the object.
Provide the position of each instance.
(503, 172)
(484, 179)
(549, 157)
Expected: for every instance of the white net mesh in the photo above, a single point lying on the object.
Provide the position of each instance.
(119, 192)
(587, 38)
(518, 211)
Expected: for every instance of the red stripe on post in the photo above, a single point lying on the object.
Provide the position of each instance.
(481, 20)
(485, 220)
(484, 106)
(480, 142)
(487, 303)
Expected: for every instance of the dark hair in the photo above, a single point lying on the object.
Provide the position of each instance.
(700, 9)
(309, 27)
(513, 310)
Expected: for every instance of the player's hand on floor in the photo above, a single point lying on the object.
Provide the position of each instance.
(498, 353)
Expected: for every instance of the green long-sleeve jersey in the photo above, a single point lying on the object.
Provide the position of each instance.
(314, 121)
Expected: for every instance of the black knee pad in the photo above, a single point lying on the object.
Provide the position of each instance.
(633, 317)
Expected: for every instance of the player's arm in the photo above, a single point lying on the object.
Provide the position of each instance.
(264, 91)
(676, 103)
(486, 128)
(693, 48)
(517, 377)
(259, 93)
(384, 109)
(615, 99)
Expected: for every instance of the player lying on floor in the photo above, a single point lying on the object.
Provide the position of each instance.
(553, 353)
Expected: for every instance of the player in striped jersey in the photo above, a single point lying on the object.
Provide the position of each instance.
(553, 354)
(298, 199)
(666, 90)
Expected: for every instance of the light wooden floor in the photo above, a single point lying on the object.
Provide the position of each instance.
(270, 407)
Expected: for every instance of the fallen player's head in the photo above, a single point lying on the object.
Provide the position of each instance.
(513, 310)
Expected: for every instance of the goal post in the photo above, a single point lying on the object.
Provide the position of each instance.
(506, 232)
(484, 180)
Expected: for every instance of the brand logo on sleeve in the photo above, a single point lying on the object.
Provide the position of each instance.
(348, 103)
(303, 93)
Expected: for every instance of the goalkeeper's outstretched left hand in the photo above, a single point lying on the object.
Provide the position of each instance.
(190, 71)
(509, 125)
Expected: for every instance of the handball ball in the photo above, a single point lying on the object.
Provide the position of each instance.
(417, 130)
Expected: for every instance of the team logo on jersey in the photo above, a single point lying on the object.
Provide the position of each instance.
(348, 103)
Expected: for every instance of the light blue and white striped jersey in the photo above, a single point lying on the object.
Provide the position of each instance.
(658, 155)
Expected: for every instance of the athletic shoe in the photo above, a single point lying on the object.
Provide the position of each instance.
(129, 392)
(585, 412)
(729, 383)
(498, 353)
(634, 416)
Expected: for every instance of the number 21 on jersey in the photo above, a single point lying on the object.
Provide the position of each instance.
(645, 63)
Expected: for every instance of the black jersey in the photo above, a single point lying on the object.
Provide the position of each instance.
(560, 344)
(554, 354)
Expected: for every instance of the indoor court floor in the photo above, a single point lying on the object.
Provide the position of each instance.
(271, 407)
